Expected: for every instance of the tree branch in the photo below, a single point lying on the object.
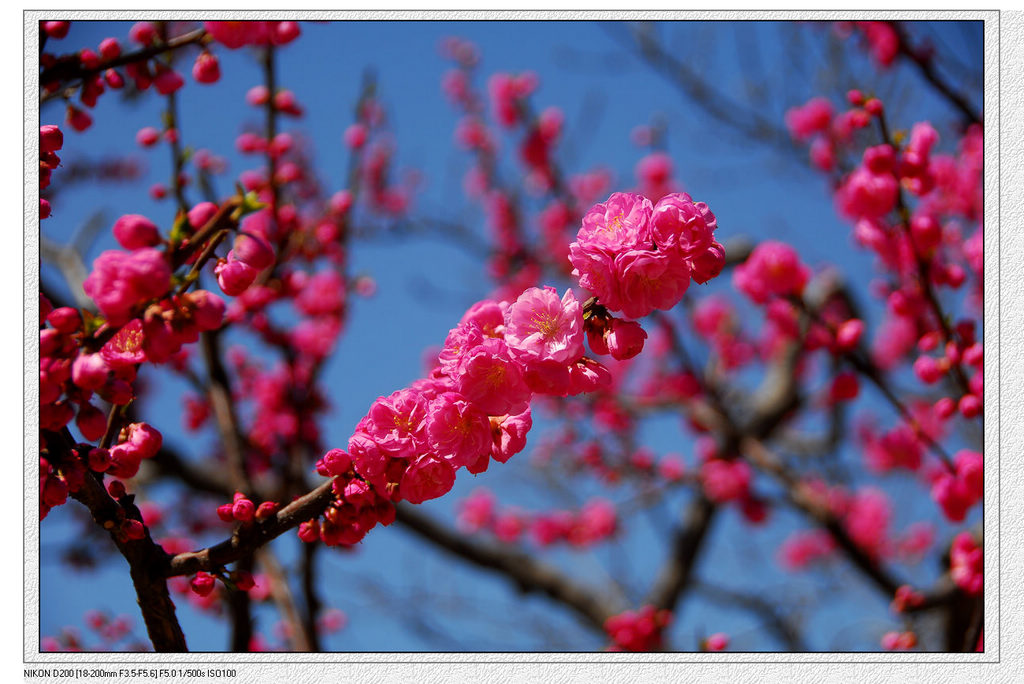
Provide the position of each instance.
(528, 574)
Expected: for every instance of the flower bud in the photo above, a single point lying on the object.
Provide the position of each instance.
(625, 339)
(133, 231)
(203, 583)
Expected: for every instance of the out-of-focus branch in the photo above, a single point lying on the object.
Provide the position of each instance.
(223, 405)
(69, 68)
(528, 574)
(775, 620)
(805, 501)
(675, 574)
(746, 121)
(281, 592)
(926, 66)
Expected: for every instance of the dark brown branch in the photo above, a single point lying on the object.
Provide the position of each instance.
(70, 68)
(145, 557)
(240, 609)
(312, 598)
(250, 537)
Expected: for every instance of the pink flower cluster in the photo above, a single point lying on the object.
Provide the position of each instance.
(804, 547)
(957, 492)
(595, 522)
(638, 257)
(473, 407)
(120, 281)
(898, 641)
(51, 139)
(967, 564)
(773, 269)
(715, 319)
(236, 34)
(506, 90)
(637, 631)
(69, 376)
(243, 510)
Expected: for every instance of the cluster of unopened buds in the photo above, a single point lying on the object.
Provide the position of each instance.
(958, 491)
(595, 522)
(243, 510)
(966, 564)
(637, 631)
(906, 597)
(51, 139)
(899, 641)
(203, 583)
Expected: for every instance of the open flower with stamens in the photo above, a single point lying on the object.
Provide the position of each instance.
(489, 378)
(397, 423)
(457, 430)
(541, 327)
(620, 223)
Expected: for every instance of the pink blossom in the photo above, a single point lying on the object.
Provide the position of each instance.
(812, 117)
(867, 520)
(597, 520)
(457, 430)
(677, 224)
(970, 468)
(898, 448)
(540, 327)
(489, 315)
(708, 264)
(587, 375)
(620, 223)
(594, 267)
(368, 459)
(802, 548)
(133, 231)
(206, 68)
(638, 631)
(773, 269)
(953, 495)
(650, 280)
(509, 435)
(200, 214)
(428, 477)
(234, 277)
(624, 339)
(397, 423)
(119, 281)
(871, 190)
(89, 371)
(717, 642)
(489, 378)
(476, 511)
(725, 480)
(966, 564)
(235, 34)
